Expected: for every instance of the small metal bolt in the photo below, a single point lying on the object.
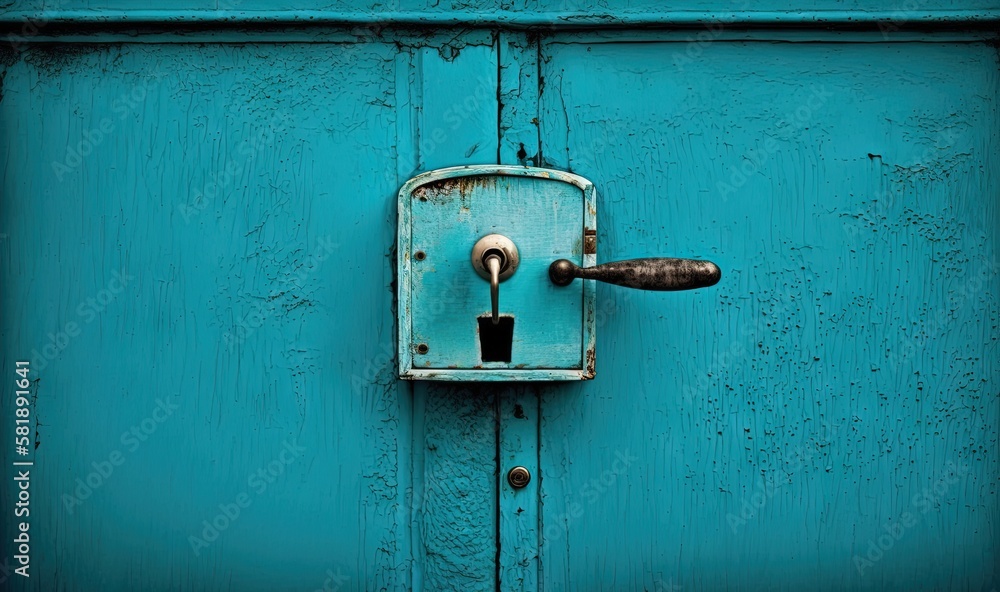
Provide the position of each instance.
(518, 477)
(422, 348)
(420, 255)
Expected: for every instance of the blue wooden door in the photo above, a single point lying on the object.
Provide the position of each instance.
(197, 242)
(198, 234)
(826, 417)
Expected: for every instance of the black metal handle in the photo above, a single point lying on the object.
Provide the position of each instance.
(660, 273)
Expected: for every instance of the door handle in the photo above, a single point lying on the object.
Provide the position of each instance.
(659, 273)
(495, 258)
(494, 263)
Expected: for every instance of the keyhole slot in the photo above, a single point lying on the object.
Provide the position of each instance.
(499, 246)
(496, 341)
(504, 261)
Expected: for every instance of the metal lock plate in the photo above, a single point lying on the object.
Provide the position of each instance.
(443, 296)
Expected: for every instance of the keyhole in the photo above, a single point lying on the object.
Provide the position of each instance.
(499, 254)
(495, 245)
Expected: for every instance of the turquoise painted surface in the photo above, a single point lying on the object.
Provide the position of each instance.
(827, 416)
(522, 13)
(185, 248)
(455, 518)
(251, 328)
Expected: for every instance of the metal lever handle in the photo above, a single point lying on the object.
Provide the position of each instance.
(495, 258)
(661, 274)
(494, 263)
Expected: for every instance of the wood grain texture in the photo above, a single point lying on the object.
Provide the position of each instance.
(454, 437)
(455, 499)
(521, 13)
(835, 400)
(519, 508)
(519, 86)
(519, 511)
(214, 224)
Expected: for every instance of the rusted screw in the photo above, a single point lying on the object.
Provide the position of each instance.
(420, 255)
(422, 348)
(518, 477)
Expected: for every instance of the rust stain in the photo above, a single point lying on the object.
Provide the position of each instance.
(589, 241)
(444, 190)
(471, 182)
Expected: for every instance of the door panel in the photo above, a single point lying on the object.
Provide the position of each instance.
(454, 490)
(196, 248)
(827, 416)
(198, 227)
(175, 218)
(535, 12)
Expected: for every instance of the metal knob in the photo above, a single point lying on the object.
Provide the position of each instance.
(495, 258)
(518, 477)
(661, 274)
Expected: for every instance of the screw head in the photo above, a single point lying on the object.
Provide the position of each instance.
(518, 477)
(422, 348)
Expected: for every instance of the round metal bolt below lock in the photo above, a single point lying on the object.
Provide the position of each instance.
(518, 477)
